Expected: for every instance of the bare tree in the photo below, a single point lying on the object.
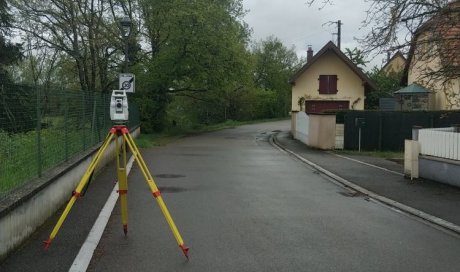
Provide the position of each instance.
(427, 30)
(433, 42)
(322, 2)
(84, 30)
(39, 63)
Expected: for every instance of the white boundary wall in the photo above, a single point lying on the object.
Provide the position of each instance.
(302, 124)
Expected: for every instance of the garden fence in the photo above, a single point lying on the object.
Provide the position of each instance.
(440, 142)
(387, 130)
(42, 127)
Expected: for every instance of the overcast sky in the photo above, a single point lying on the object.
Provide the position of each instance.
(297, 24)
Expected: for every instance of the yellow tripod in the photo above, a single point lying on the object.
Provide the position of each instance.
(123, 132)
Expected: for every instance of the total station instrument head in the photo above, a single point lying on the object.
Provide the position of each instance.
(119, 107)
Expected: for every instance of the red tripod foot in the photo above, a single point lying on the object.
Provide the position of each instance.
(184, 250)
(47, 243)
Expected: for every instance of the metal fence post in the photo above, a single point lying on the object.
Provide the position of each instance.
(415, 131)
(380, 137)
(66, 120)
(83, 130)
(38, 133)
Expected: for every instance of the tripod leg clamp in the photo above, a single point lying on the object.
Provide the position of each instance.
(156, 194)
(76, 194)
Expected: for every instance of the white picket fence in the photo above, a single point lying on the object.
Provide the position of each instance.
(440, 142)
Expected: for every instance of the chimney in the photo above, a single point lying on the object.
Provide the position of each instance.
(309, 53)
(388, 56)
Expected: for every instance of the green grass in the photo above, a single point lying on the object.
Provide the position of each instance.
(19, 160)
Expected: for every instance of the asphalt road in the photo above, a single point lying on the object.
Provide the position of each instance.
(243, 205)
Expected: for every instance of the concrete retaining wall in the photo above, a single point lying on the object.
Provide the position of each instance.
(440, 170)
(26, 209)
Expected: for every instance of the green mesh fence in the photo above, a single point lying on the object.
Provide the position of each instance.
(41, 128)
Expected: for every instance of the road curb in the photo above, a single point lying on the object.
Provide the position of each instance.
(392, 203)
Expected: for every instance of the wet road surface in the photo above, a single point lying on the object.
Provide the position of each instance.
(242, 205)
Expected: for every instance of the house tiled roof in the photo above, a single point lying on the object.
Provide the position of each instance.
(330, 46)
(448, 28)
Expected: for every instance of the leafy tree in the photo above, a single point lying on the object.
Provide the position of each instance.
(15, 103)
(9, 52)
(357, 56)
(83, 30)
(387, 84)
(190, 59)
(274, 65)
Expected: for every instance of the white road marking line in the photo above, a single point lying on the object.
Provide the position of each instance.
(81, 262)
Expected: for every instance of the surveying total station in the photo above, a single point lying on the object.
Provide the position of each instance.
(120, 133)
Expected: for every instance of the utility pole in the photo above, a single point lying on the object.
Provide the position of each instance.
(339, 33)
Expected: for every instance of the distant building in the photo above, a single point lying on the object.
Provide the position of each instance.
(394, 64)
(434, 59)
(329, 81)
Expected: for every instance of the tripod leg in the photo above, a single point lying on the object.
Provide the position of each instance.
(79, 188)
(122, 183)
(156, 193)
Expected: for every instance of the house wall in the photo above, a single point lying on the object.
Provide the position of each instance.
(396, 65)
(350, 86)
(446, 94)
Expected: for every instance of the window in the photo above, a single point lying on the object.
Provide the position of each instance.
(327, 84)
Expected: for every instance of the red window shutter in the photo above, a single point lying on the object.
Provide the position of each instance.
(333, 84)
(323, 84)
(327, 84)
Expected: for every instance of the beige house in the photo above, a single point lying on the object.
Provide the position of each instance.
(394, 64)
(434, 59)
(329, 81)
